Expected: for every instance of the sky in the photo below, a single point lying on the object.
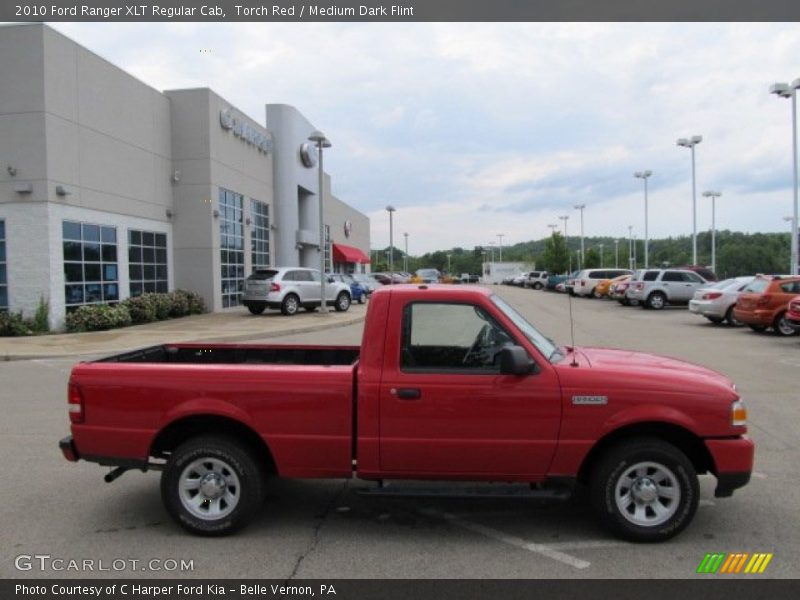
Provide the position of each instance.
(471, 130)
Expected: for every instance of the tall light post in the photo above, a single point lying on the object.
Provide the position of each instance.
(792, 230)
(390, 209)
(322, 142)
(630, 247)
(616, 254)
(553, 227)
(565, 218)
(790, 91)
(691, 143)
(500, 237)
(405, 257)
(713, 195)
(582, 265)
(601, 254)
(645, 175)
(448, 263)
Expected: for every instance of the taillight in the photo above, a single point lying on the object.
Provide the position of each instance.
(75, 403)
(763, 300)
(275, 287)
(583, 282)
(639, 286)
(711, 295)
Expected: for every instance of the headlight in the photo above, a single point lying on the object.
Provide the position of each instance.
(738, 414)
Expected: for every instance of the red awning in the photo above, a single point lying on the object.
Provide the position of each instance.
(349, 254)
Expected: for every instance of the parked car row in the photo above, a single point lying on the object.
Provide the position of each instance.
(762, 302)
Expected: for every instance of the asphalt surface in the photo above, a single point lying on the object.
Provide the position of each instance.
(324, 529)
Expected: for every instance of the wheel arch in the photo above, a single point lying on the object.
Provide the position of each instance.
(185, 428)
(683, 439)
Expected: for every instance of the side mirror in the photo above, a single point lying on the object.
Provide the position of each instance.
(515, 361)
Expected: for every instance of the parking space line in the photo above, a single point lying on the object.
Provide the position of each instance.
(759, 475)
(587, 545)
(511, 540)
(704, 502)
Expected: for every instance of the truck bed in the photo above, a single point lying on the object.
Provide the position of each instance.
(236, 354)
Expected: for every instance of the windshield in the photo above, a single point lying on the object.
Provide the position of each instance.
(263, 275)
(543, 344)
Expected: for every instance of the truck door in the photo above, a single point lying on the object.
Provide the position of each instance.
(445, 409)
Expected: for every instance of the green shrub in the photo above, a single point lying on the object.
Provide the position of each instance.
(98, 317)
(162, 304)
(180, 303)
(12, 324)
(141, 309)
(195, 301)
(40, 323)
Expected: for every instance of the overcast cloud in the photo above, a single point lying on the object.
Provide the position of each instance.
(471, 130)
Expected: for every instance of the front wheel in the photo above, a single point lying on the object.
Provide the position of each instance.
(212, 486)
(342, 302)
(537, 285)
(781, 326)
(645, 490)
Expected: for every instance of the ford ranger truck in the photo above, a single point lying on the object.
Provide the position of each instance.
(449, 384)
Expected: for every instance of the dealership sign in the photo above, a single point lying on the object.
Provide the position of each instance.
(243, 130)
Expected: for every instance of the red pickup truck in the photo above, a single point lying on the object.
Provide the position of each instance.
(449, 383)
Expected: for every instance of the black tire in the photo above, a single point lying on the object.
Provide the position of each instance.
(595, 295)
(256, 309)
(730, 318)
(242, 479)
(342, 302)
(656, 301)
(290, 305)
(659, 468)
(758, 328)
(716, 320)
(538, 285)
(781, 327)
(362, 299)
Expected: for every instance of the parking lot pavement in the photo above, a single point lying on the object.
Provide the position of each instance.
(325, 529)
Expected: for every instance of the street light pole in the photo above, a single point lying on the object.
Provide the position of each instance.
(616, 254)
(501, 236)
(448, 263)
(405, 258)
(322, 142)
(565, 218)
(645, 175)
(391, 210)
(713, 195)
(580, 207)
(790, 91)
(790, 220)
(691, 143)
(630, 247)
(601, 255)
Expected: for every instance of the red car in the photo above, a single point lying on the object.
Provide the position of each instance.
(793, 313)
(450, 383)
(764, 303)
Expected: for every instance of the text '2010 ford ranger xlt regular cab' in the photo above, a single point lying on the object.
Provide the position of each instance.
(449, 384)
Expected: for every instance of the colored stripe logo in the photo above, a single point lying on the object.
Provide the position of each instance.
(735, 563)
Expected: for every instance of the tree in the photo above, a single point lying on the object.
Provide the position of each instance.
(554, 257)
(592, 259)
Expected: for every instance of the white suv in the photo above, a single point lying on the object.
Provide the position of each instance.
(587, 280)
(289, 288)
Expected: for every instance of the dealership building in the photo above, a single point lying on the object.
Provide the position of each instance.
(110, 188)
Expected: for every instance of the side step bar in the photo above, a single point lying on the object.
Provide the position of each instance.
(471, 490)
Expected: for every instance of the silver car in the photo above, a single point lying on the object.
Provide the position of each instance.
(289, 288)
(716, 301)
(658, 288)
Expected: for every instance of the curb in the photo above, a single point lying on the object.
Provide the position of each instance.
(215, 338)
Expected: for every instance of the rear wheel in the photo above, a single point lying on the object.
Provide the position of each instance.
(362, 298)
(342, 302)
(290, 305)
(781, 327)
(537, 285)
(716, 320)
(645, 490)
(656, 301)
(256, 309)
(212, 485)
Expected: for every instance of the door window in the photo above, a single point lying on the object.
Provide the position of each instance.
(672, 276)
(442, 337)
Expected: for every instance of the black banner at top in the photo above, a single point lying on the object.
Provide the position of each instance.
(399, 10)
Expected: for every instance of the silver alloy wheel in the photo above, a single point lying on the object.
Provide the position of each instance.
(290, 302)
(783, 326)
(647, 494)
(209, 489)
(656, 301)
(344, 301)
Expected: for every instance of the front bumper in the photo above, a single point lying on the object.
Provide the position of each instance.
(754, 317)
(733, 463)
